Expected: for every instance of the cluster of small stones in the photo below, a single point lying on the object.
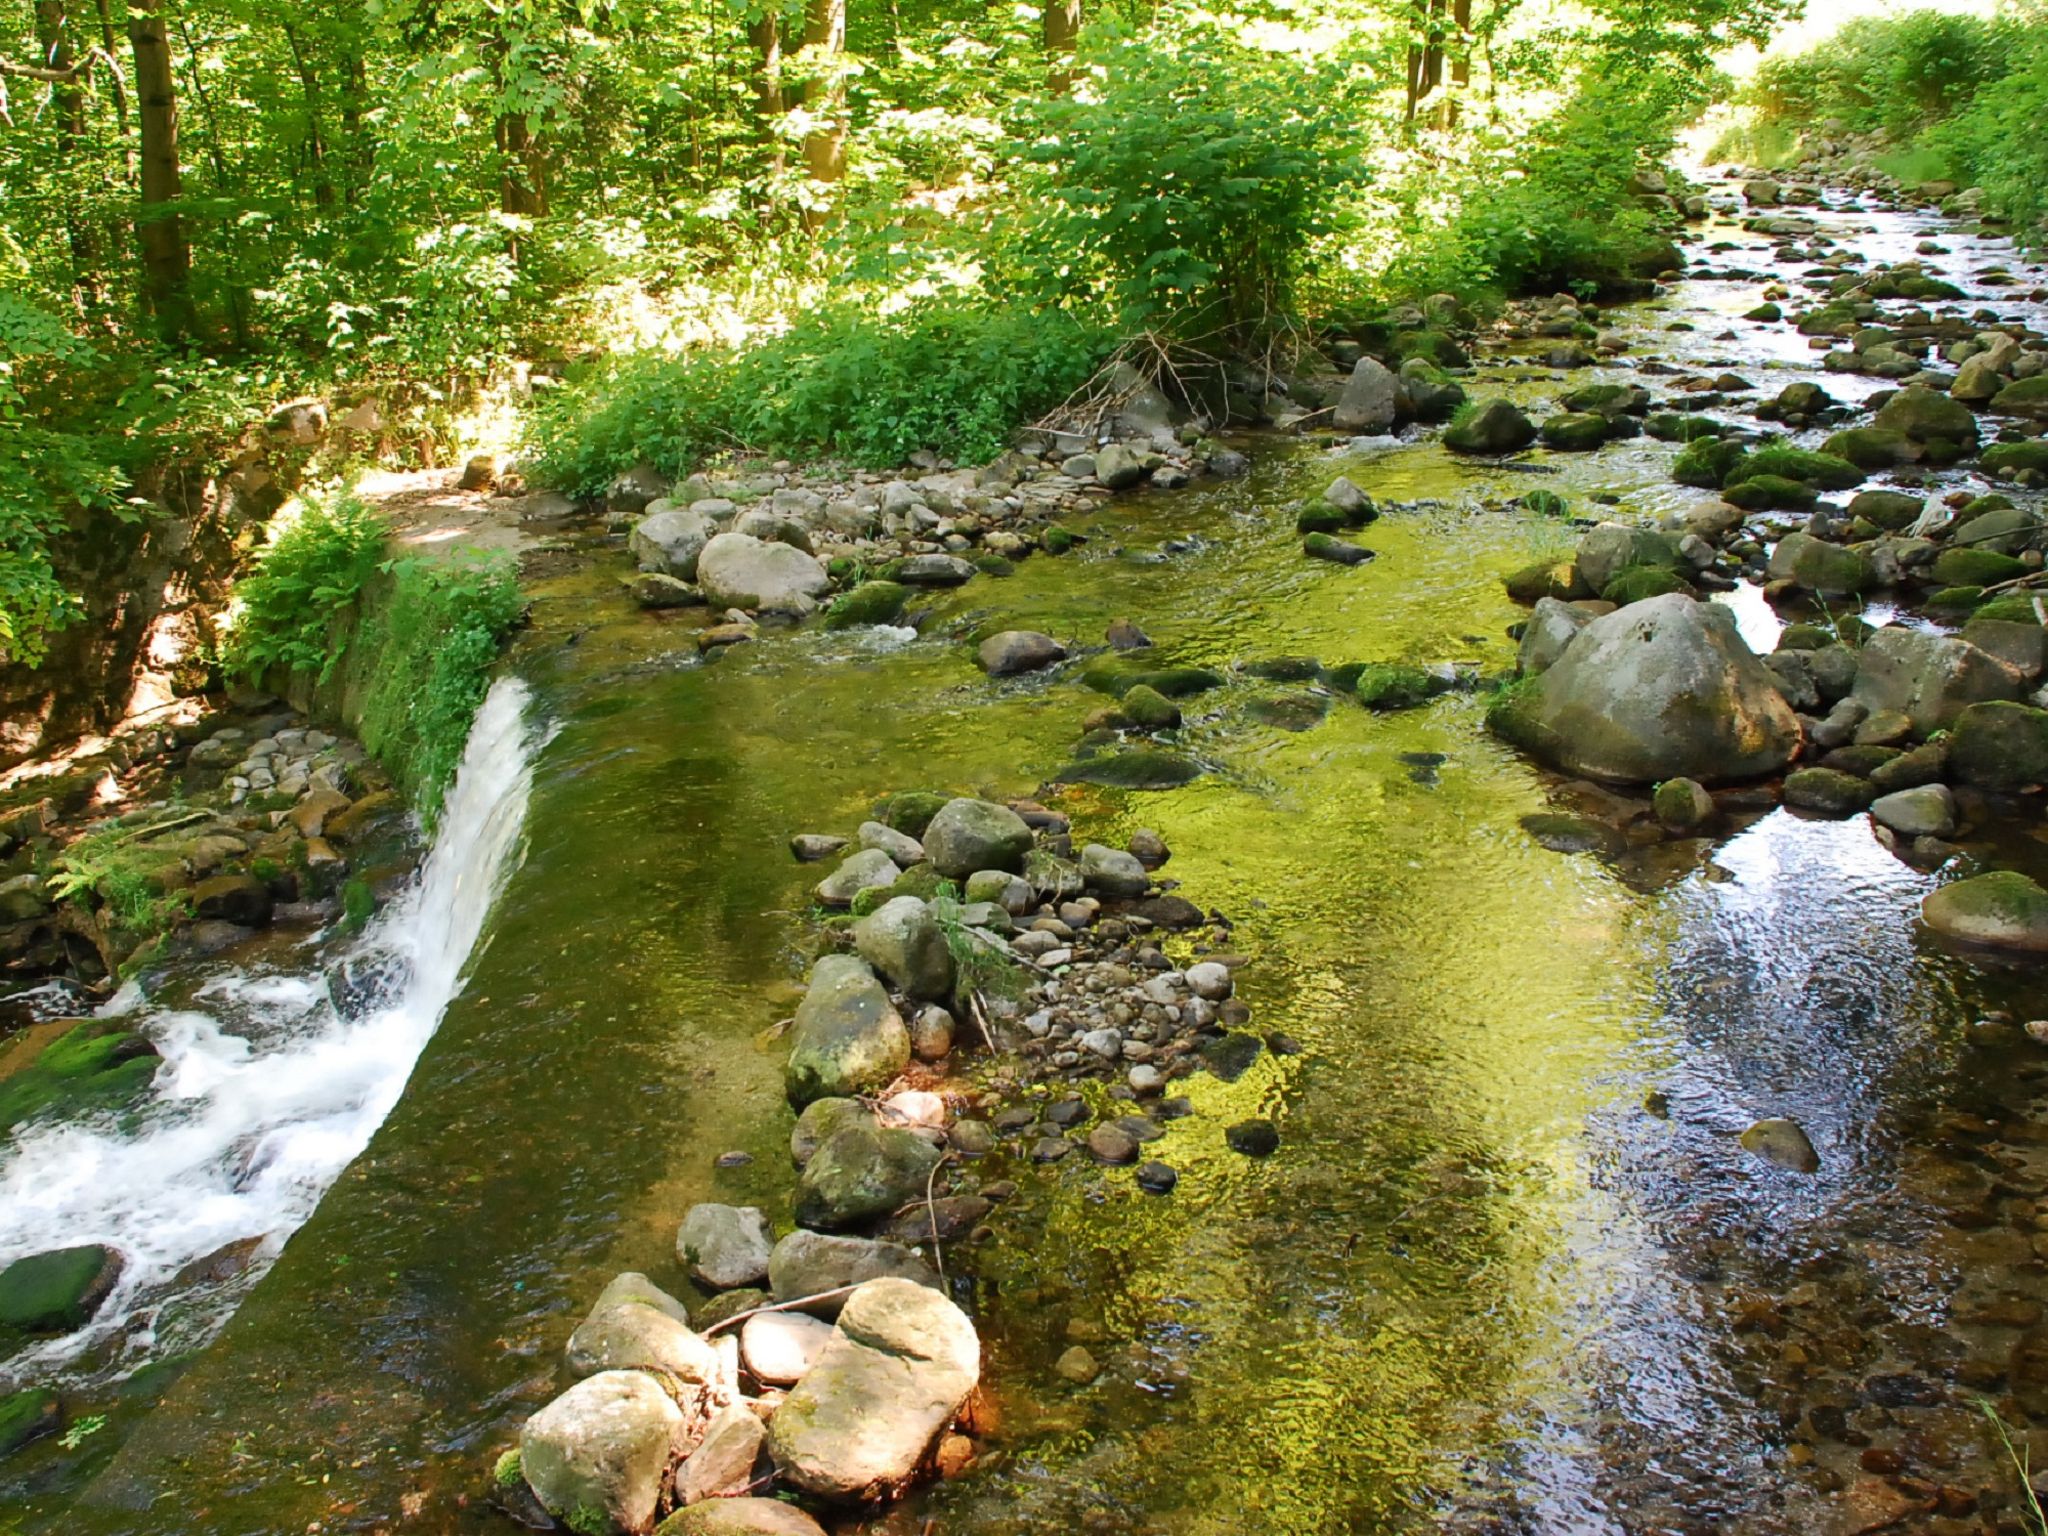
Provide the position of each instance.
(257, 833)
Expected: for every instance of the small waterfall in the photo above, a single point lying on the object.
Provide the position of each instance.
(269, 1088)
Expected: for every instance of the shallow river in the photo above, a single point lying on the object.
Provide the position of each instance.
(1509, 1269)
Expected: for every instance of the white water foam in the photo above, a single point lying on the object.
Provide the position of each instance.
(267, 1095)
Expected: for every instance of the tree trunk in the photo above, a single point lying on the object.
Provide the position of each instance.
(825, 144)
(359, 153)
(524, 188)
(765, 33)
(67, 109)
(1061, 26)
(316, 134)
(166, 259)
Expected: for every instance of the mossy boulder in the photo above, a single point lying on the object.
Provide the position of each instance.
(2004, 528)
(1889, 510)
(848, 1038)
(2027, 397)
(2004, 910)
(1494, 427)
(1927, 416)
(28, 1416)
(1393, 685)
(1117, 672)
(910, 811)
(2000, 745)
(2012, 458)
(1825, 470)
(1819, 566)
(1872, 448)
(1763, 493)
(58, 1291)
(1962, 567)
(1638, 582)
(872, 602)
(1057, 541)
(1133, 768)
(1827, 792)
(1669, 427)
(1609, 400)
(2013, 608)
(1575, 431)
(1707, 462)
(1322, 546)
(1319, 519)
(51, 1072)
(1436, 347)
(1546, 578)
(1148, 709)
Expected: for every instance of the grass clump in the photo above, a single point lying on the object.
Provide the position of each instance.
(981, 968)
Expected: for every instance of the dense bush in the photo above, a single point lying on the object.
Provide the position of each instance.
(1891, 75)
(292, 610)
(1186, 186)
(1556, 212)
(949, 376)
(1996, 143)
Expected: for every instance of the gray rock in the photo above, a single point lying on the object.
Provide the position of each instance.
(723, 1462)
(1496, 427)
(599, 1454)
(739, 571)
(1345, 496)
(1550, 628)
(1369, 398)
(1113, 873)
(931, 1034)
(1928, 810)
(1018, 650)
(932, 571)
(903, 850)
(1119, 466)
(904, 943)
(779, 1347)
(868, 870)
(1611, 548)
(817, 1264)
(820, 1121)
(1661, 689)
(861, 1174)
(1208, 979)
(655, 589)
(971, 835)
(725, 1246)
(885, 1388)
(740, 1517)
(634, 1336)
(1930, 678)
(2005, 910)
(848, 1038)
(671, 542)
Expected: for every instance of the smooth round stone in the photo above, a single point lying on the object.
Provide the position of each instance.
(1113, 1144)
(778, 1347)
(1157, 1178)
(1254, 1138)
(1146, 1079)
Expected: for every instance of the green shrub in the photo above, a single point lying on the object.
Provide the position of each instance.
(291, 607)
(951, 376)
(1185, 187)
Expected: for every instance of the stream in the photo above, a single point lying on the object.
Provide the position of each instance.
(1509, 1269)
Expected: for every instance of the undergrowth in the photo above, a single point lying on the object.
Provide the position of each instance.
(979, 967)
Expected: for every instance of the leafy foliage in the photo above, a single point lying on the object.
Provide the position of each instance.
(294, 604)
(945, 375)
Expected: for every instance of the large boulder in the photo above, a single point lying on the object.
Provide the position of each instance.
(2005, 910)
(1661, 689)
(736, 570)
(1369, 399)
(848, 1038)
(884, 1389)
(862, 1173)
(1552, 626)
(724, 1247)
(671, 542)
(970, 835)
(1929, 678)
(1926, 416)
(820, 1264)
(740, 1517)
(1496, 427)
(1114, 873)
(597, 1456)
(1611, 548)
(903, 941)
(1018, 650)
(1819, 566)
(57, 1291)
(636, 1326)
(2000, 746)
(869, 869)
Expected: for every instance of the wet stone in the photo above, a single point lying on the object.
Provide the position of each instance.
(1157, 1178)
(1253, 1138)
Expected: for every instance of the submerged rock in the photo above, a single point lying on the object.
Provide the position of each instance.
(848, 1038)
(1662, 689)
(860, 1424)
(58, 1291)
(1784, 1143)
(1018, 650)
(598, 1455)
(861, 1173)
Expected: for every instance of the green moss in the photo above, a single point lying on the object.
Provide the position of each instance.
(2011, 458)
(91, 1068)
(1137, 768)
(1642, 581)
(1117, 672)
(1546, 504)
(1057, 541)
(1707, 462)
(2014, 607)
(1318, 519)
(872, 602)
(1956, 599)
(1390, 685)
(1761, 493)
(993, 565)
(358, 902)
(28, 1416)
(1975, 567)
(910, 811)
(1822, 469)
(1668, 427)
(505, 1472)
(1148, 709)
(53, 1292)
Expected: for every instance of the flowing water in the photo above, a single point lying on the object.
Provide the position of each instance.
(1509, 1269)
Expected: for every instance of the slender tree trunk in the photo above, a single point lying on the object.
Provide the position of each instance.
(359, 153)
(67, 109)
(1461, 59)
(765, 33)
(524, 188)
(166, 259)
(825, 144)
(120, 89)
(316, 133)
(1060, 27)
